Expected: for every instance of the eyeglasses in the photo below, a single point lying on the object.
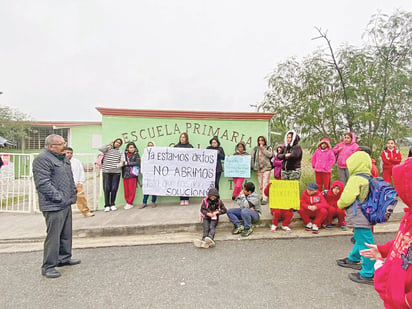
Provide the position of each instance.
(60, 144)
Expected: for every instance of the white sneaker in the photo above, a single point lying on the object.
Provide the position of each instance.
(308, 226)
(273, 228)
(128, 206)
(107, 209)
(113, 207)
(200, 243)
(210, 242)
(286, 229)
(315, 229)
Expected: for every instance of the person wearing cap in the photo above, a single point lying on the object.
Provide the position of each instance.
(313, 208)
(215, 145)
(210, 210)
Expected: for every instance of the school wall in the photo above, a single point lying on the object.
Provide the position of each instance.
(85, 139)
(166, 131)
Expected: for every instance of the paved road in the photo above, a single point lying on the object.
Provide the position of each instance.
(281, 273)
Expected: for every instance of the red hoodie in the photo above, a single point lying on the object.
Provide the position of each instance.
(393, 280)
(316, 199)
(330, 197)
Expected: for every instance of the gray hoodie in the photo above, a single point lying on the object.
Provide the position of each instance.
(252, 200)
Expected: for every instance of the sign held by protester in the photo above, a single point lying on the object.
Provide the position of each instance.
(178, 171)
(237, 166)
(284, 194)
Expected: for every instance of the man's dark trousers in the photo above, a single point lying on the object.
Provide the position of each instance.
(58, 243)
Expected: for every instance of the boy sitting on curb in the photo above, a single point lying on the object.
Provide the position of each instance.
(248, 211)
(210, 210)
(313, 206)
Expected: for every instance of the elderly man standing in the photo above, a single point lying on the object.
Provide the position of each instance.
(54, 182)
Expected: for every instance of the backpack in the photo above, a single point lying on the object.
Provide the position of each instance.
(380, 202)
(99, 160)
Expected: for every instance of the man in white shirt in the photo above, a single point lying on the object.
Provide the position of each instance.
(79, 178)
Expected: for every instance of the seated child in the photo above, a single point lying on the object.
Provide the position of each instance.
(210, 210)
(248, 211)
(332, 196)
(285, 214)
(313, 206)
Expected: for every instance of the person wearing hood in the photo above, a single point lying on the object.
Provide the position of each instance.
(215, 145)
(276, 163)
(240, 150)
(322, 161)
(291, 157)
(146, 196)
(332, 196)
(111, 168)
(130, 173)
(261, 164)
(358, 188)
(393, 267)
(344, 150)
(210, 210)
(390, 157)
(184, 143)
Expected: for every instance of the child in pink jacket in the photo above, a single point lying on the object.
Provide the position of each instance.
(344, 150)
(322, 161)
(393, 267)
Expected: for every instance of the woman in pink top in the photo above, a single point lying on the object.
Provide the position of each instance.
(343, 150)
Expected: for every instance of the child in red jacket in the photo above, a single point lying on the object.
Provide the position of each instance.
(313, 206)
(332, 196)
(277, 214)
(390, 157)
(393, 276)
(322, 161)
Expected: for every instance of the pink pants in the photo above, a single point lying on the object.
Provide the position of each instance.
(322, 180)
(335, 212)
(129, 185)
(238, 181)
(263, 179)
(285, 214)
(319, 215)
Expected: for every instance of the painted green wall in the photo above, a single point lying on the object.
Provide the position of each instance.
(166, 132)
(81, 138)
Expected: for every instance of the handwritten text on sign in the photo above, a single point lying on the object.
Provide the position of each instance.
(178, 171)
(284, 194)
(237, 166)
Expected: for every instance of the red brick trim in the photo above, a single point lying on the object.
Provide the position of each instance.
(183, 114)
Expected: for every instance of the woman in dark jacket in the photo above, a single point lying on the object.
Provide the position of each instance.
(291, 157)
(130, 173)
(215, 145)
(184, 143)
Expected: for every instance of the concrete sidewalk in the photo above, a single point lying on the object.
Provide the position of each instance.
(166, 223)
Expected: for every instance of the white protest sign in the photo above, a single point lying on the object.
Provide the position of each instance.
(237, 166)
(178, 171)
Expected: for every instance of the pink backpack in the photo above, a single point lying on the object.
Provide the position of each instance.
(99, 160)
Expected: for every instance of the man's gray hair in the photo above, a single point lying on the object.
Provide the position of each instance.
(51, 140)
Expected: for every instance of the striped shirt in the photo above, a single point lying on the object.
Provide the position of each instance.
(112, 158)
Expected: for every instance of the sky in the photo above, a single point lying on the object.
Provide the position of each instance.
(59, 60)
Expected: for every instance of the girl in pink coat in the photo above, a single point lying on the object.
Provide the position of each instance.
(322, 161)
(393, 267)
(344, 150)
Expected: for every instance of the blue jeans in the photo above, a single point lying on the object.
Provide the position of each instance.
(247, 215)
(146, 197)
(362, 235)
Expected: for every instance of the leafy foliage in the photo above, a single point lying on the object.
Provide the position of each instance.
(13, 124)
(367, 90)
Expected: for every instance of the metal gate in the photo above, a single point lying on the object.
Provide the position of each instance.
(18, 192)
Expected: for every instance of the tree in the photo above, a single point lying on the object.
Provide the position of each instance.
(13, 124)
(367, 90)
